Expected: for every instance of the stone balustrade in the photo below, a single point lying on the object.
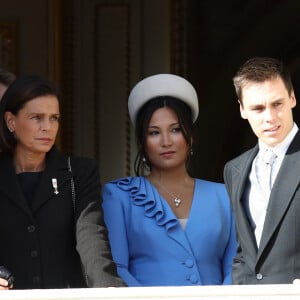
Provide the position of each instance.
(247, 292)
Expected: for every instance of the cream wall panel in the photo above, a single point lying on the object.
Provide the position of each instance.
(112, 75)
(116, 43)
(34, 45)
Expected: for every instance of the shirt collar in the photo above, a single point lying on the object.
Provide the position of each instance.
(282, 147)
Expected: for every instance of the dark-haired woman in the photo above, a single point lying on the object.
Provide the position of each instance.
(51, 225)
(166, 227)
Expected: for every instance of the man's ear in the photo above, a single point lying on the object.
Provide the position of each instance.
(293, 99)
(242, 112)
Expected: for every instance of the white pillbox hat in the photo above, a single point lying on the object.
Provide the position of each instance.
(162, 85)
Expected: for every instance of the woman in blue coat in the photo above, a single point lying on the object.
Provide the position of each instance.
(166, 227)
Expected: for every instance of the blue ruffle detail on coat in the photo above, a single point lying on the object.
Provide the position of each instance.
(143, 193)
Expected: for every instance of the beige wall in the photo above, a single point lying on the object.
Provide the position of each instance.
(34, 34)
(116, 44)
(113, 45)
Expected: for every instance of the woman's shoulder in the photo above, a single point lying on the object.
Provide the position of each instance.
(209, 183)
(125, 183)
(141, 194)
(55, 156)
(134, 188)
(82, 160)
(212, 188)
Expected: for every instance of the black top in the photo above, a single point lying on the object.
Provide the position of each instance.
(29, 182)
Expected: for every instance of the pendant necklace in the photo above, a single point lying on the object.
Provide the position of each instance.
(176, 198)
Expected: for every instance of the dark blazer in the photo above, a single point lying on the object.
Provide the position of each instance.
(277, 261)
(38, 243)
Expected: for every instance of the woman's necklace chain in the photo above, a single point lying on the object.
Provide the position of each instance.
(176, 198)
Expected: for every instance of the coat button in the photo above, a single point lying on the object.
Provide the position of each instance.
(34, 254)
(31, 228)
(36, 279)
(193, 279)
(189, 263)
(259, 276)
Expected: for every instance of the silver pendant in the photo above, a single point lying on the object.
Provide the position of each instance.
(177, 201)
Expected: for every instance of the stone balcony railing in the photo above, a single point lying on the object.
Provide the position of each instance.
(247, 292)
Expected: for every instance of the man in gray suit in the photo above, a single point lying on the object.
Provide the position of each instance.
(265, 195)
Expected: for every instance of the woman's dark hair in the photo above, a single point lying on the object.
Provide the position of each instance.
(184, 114)
(21, 91)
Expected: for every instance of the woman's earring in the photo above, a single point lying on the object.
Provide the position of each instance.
(146, 165)
(191, 151)
(11, 130)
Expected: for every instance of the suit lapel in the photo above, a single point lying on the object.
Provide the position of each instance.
(284, 187)
(240, 181)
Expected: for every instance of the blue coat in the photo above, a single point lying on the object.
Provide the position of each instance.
(151, 248)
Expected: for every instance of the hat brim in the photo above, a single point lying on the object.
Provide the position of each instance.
(162, 85)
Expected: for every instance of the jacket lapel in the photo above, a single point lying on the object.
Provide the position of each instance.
(240, 181)
(284, 187)
(56, 167)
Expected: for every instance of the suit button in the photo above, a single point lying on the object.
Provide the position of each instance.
(31, 228)
(34, 254)
(259, 276)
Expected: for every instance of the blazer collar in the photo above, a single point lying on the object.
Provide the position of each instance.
(241, 169)
(56, 167)
(283, 190)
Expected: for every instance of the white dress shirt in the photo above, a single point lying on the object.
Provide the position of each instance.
(256, 204)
